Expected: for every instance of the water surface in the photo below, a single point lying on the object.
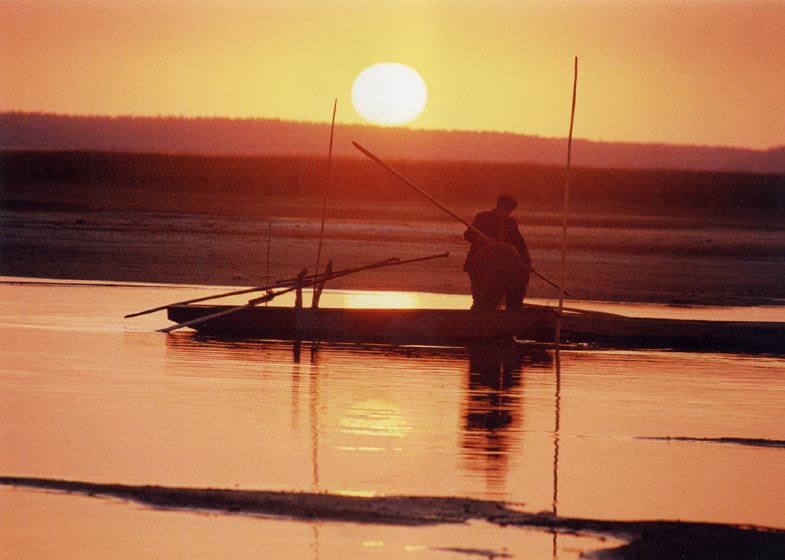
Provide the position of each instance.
(90, 396)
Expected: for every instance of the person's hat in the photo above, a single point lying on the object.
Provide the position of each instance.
(506, 201)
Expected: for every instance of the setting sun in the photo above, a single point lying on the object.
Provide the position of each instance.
(389, 93)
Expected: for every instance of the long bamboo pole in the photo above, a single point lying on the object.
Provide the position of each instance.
(326, 191)
(419, 189)
(566, 202)
(438, 204)
(307, 283)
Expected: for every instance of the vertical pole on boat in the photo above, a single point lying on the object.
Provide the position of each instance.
(298, 293)
(557, 423)
(317, 292)
(326, 190)
(298, 315)
(269, 244)
(564, 209)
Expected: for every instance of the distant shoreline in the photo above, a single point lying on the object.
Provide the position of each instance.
(618, 261)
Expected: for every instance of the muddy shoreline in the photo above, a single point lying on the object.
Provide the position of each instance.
(616, 258)
(644, 539)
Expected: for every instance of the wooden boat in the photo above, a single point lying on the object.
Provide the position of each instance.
(388, 326)
(465, 327)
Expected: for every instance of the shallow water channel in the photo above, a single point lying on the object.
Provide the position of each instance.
(89, 396)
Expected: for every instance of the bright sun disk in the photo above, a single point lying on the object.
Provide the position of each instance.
(389, 93)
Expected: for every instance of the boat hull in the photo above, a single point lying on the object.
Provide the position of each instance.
(448, 327)
(389, 326)
(679, 334)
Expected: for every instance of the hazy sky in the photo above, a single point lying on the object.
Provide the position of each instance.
(681, 71)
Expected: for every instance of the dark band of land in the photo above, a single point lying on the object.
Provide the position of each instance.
(644, 539)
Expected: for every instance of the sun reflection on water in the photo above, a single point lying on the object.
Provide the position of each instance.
(375, 418)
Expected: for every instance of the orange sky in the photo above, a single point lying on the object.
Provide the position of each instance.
(692, 72)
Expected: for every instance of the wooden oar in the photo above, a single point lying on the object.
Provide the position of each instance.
(277, 284)
(439, 205)
(318, 279)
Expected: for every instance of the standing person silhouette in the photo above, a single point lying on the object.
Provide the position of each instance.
(499, 270)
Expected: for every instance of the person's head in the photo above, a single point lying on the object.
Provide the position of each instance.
(505, 204)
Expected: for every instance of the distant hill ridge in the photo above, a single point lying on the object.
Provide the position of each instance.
(223, 136)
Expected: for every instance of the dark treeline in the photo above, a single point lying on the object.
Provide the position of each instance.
(278, 138)
(188, 182)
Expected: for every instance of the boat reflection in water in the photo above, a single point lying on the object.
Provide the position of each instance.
(436, 420)
(493, 410)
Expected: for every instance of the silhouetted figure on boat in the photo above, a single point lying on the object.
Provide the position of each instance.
(498, 271)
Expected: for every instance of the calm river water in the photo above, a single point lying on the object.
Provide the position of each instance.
(90, 396)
